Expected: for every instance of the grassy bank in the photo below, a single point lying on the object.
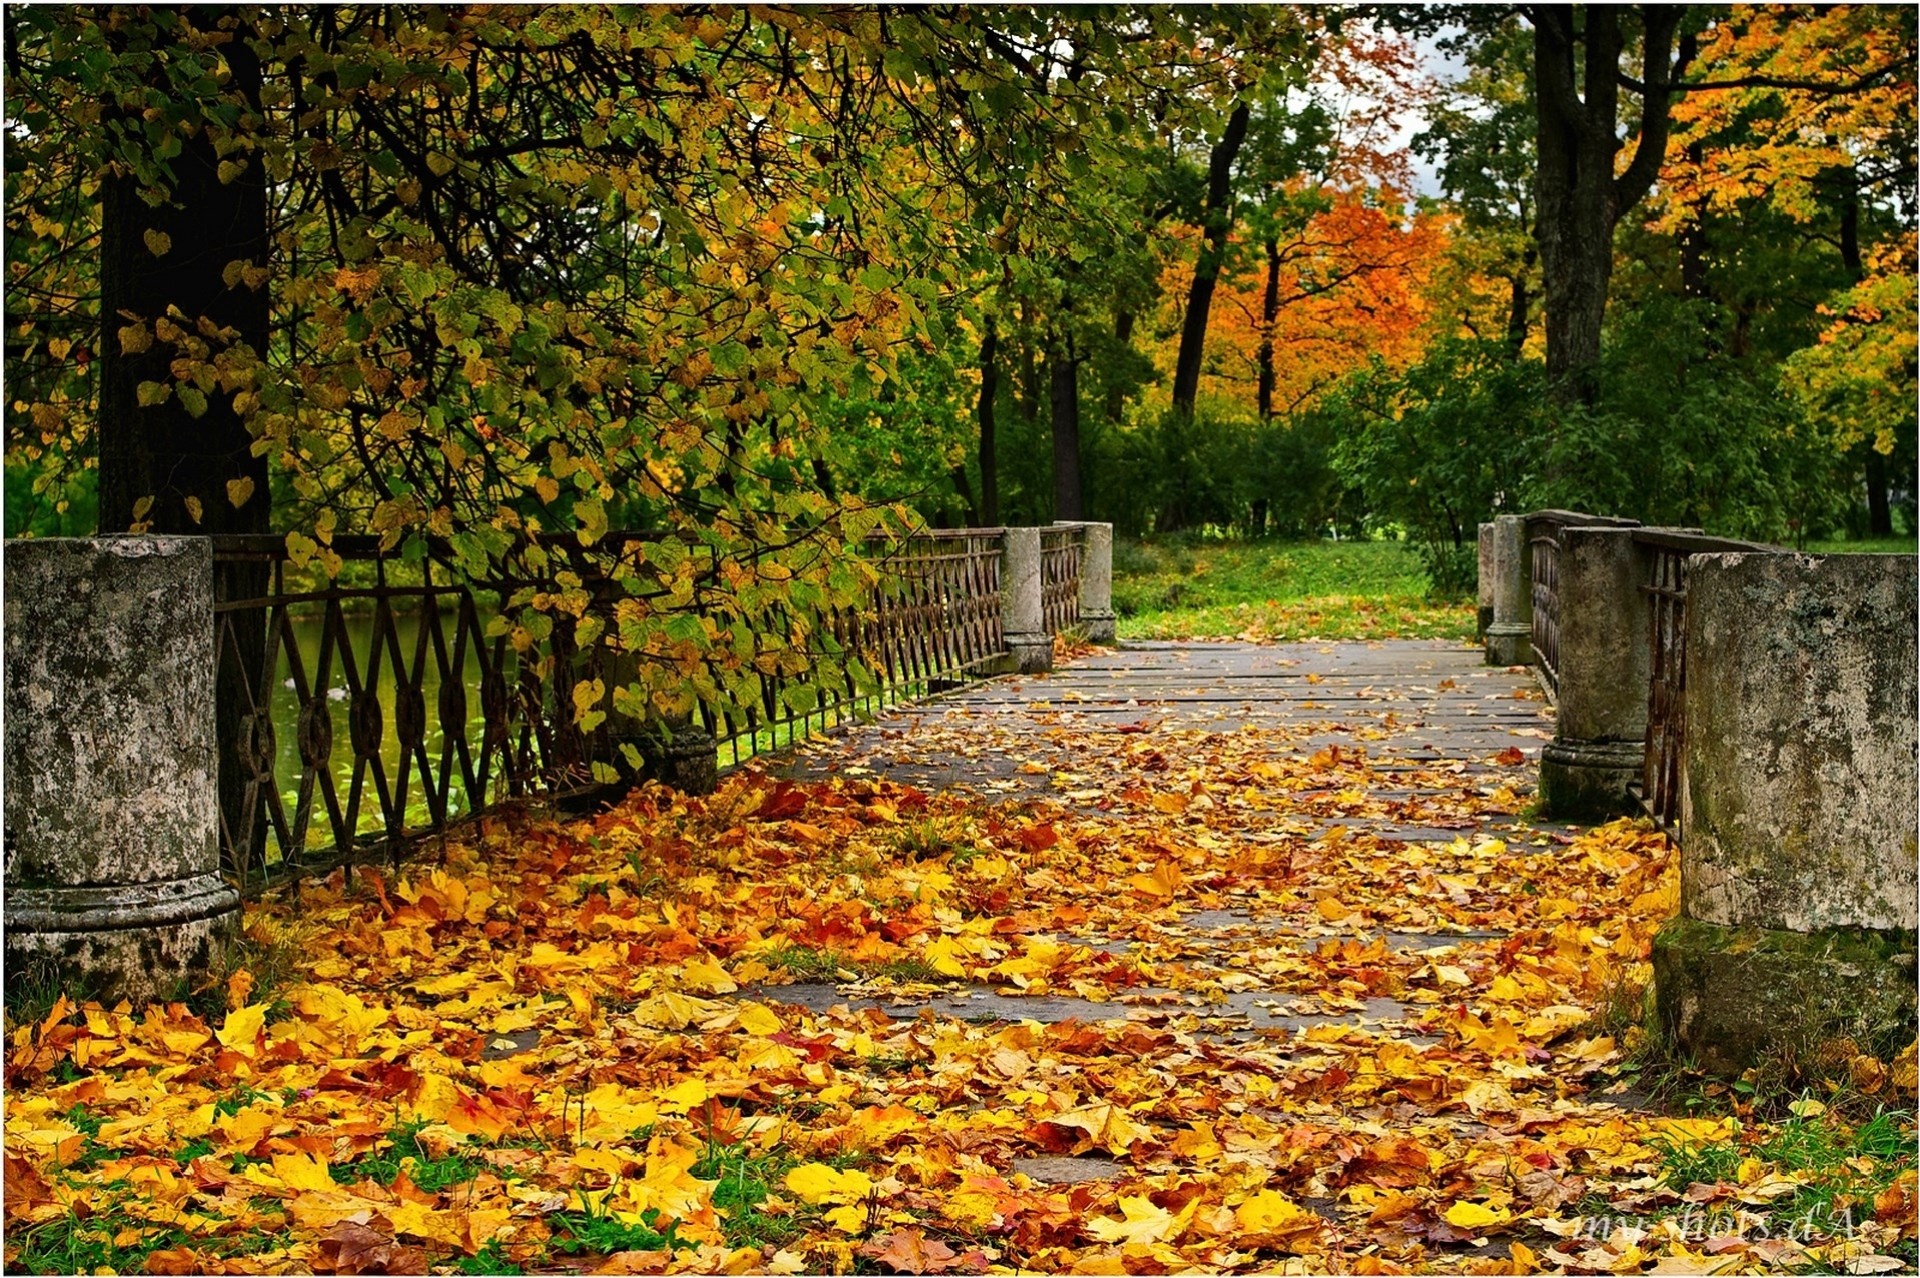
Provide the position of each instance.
(1181, 588)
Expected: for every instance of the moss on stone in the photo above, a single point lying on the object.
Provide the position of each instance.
(1738, 997)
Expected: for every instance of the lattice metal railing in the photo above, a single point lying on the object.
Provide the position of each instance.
(933, 620)
(1060, 550)
(378, 709)
(1666, 591)
(1543, 542)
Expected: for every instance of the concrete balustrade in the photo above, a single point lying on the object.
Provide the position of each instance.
(112, 855)
(1601, 669)
(1798, 811)
(1096, 582)
(1023, 624)
(1509, 637)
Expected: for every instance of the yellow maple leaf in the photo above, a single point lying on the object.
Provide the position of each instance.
(1465, 1215)
(684, 1096)
(1142, 1222)
(1164, 881)
(241, 1031)
(757, 1018)
(816, 1183)
(422, 1221)
(301, 1172)
(707, 977)
(1270, 1213)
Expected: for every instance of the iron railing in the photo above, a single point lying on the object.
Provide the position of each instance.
(1543, 540)
(1060, 548)
(933, 620)
(1666, 591)
(360, 717)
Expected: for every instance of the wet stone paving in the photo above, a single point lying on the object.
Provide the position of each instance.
(1448, 745)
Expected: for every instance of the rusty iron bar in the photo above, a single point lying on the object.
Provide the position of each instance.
(933, 621)
(1060, 549)
(1666, 590)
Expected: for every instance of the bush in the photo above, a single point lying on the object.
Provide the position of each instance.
(1439, 448)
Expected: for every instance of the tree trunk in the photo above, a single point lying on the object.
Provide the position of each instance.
(1519, 311)
(164, 451)
(989, 428)
(1116, 394)
(1063, 375)
(1206, 270)
(1578, 197)
(1879, 501)
(1269, 316)
(1879, 506)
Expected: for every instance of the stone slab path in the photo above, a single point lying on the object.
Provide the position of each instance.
(1448, 743)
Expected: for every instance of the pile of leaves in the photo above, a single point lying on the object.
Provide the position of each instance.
(584, 1044)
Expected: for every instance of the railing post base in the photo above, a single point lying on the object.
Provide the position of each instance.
(1588, 780)
(685, 758)
(1508, 644)
(1023, 625)
(1509, 639)
(112, 861)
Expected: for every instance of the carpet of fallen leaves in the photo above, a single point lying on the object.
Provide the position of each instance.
(563, 1045)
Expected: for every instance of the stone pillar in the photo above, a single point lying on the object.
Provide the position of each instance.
(1605, 659)
(1096, 582)
(1022, 624)
(1798, 812)
(112, 809)
(1484, 581)
(683, 755)
(676, 750)
(1510, 634)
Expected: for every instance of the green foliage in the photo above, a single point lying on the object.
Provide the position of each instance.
(1685, 434)
(1439, 448)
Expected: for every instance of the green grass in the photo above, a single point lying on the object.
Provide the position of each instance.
(580, 1232)
(109, 1241)
(1843, 1166)
(406, 1153)
(1187, 588)
(1865, 546)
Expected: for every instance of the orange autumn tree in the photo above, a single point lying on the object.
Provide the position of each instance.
(1347, 285)
(1807, 118)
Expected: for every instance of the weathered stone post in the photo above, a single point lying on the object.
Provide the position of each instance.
(681, 753)
(1601, 680)
(1798, 811)
(1096, 581)
(1484, 581)
(1023, 624)
(112, 810)
(1510, 634)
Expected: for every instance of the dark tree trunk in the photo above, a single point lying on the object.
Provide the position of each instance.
(1519, 311)
(1879, 500)
(1213, 254)
(1116, 393)
(1064, 381)
(1879, 505)
(989, 428)
(1269, 316)
(164, 451)
(1578, 197)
